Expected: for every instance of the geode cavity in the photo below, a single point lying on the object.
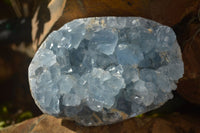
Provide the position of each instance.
(102, 70)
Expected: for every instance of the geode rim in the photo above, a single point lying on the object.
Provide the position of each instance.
(102, 70)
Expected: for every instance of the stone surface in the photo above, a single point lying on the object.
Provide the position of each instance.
(102, 70)
(171, 123)
(168, 12)
(189, 86)
(45, 16)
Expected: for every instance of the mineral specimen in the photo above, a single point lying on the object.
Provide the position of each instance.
(102, 70)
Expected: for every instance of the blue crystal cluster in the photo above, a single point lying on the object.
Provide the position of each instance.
(102, 70)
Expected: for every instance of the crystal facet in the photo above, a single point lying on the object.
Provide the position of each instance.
(102, 70)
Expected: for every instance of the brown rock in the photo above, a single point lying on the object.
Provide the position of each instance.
(189, 85)
(190, 89)
(168, 12)
(162, 125)
(47, 13)
(173, 123)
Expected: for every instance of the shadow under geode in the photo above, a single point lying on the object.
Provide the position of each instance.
(115, 128)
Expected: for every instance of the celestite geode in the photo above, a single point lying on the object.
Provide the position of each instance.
(102, 70)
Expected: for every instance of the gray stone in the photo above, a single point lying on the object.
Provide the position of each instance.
(102, 70)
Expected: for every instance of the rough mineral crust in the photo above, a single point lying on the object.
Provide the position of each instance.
(102, 70)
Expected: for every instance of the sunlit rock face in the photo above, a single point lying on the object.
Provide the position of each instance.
(102, 70)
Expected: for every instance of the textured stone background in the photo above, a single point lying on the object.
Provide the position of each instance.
(174, 123)
(182, 15)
